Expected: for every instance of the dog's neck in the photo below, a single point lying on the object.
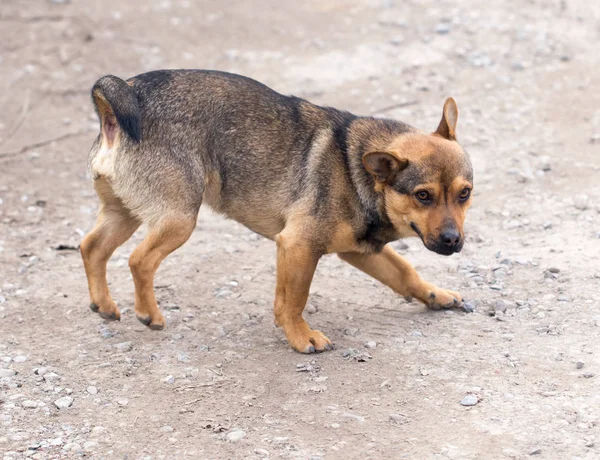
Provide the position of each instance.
(356, 134)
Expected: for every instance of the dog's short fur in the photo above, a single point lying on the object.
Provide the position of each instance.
(314, 179)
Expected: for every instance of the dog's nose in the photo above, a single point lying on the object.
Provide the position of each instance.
(450, 238)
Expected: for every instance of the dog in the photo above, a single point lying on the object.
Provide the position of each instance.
(316, 180)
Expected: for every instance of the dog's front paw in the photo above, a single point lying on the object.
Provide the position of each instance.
(443, 298)
(305, 340)
(107, 311)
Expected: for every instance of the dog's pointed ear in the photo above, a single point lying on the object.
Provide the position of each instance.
(447, 127)
(384, 166)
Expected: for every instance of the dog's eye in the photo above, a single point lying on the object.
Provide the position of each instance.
(464, 195)
(423, 195)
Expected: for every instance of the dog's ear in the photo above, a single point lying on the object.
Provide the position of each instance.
(447, 127)
(384, 166)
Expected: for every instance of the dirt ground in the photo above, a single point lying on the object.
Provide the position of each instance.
(220, 380)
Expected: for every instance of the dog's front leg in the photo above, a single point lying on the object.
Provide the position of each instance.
(296, 264)
(394, 271)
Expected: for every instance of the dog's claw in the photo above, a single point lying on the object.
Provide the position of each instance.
(113, 316)
(147, 321)
(94, 307)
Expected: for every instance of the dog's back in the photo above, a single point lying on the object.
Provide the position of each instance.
(224, 138)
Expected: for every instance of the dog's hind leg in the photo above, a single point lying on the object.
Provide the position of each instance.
(163, 238)
(115, 225)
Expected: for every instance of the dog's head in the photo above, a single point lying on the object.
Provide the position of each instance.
(426, 181)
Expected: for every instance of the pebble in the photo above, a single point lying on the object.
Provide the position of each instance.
(468, 307)
(399, 419)
(536, 451)
(7, 373)
(588, 375)
(89, 446)
(92, 390)
(580, 364)
(236, 435)
(371, 344)
(64, 403)
(261, 452)
(469, 400)
(442, 28)
(29, 404)
(581, 201)
(122, 402)
(124, 346)
(554, 270)
(20, 359)
(500, 306)
(167, 429)
(358, 418)
(51, 377)
(169, 379)
(311, 309)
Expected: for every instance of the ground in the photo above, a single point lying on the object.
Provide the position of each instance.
(220, 380)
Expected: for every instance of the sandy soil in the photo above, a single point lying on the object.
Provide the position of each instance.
(220, 380)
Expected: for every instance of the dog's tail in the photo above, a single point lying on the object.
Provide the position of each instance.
(118, 108)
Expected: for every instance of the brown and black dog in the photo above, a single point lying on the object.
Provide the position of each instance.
(315, 180)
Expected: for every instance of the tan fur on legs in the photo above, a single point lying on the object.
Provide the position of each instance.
(115, 225)
(296, 264)
(162, 240)
(394, 271)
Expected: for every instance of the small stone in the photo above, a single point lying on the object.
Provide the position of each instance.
(351, 331)
(554, 270)
(29, 404)
(51, 377)
(20, 359)
(468, 307)
(399, 419)
(92, 390)
(371, 344)
(563, 298)
(581, 201)
(469, 400)
(72, 447)
(358, 418)
(169, 379)
(167, 429)
(7, 373)
(221, 331)
(311, 309)
(124, 346)
(580, 364)
(500, 306)
(416, 334)
(64, 403)
(89, 446)
(122, 402)
(261, 452)
(442, 28)
(536, 451)
(236, 435)
(588, 375)
(544, 163)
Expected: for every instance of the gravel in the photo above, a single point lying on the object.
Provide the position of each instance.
(235, 435)
(64, 403)
(92, 390)
(469, 400)
(7, 373)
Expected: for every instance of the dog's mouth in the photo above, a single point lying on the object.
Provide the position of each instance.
(437, 246)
